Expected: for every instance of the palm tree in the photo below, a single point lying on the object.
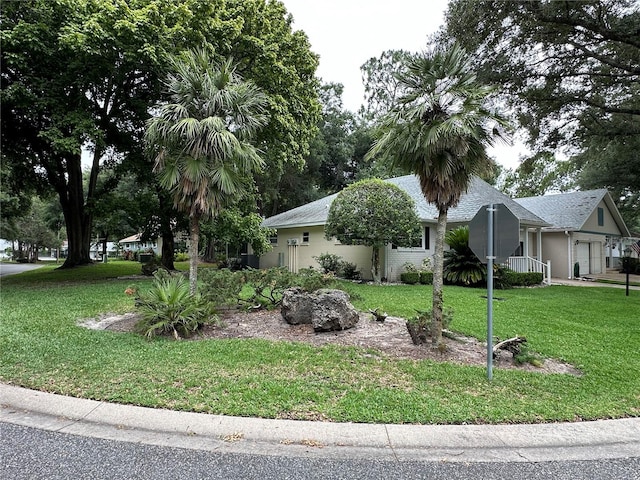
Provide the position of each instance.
(439, 130)
(201, 139)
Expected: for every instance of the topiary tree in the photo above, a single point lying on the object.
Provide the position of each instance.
(373, 213)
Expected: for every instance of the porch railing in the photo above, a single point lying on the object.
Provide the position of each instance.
(530, 264)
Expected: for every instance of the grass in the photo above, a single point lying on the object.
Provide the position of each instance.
(596, 329)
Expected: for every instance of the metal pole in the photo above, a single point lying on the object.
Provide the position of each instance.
(627, 270)
(490, 258)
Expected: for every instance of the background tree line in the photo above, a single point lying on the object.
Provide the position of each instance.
(84, 74)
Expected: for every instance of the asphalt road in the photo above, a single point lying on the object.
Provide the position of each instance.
(13, 268)
(33, 454)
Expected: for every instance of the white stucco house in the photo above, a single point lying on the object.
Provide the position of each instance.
(563, 235)
(586, 232)
(300, 233)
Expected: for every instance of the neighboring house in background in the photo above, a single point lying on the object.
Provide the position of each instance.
(96, 249)
(300, 233)
(135, 244)
(586, 229)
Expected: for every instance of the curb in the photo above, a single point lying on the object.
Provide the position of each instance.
(602, 439)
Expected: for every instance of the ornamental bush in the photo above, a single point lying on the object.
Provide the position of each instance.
(410, 278)
(426, 278)
(329, 262)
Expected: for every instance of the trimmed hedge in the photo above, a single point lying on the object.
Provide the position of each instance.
(509, 279)
(426, 278)
(504, 279)
(410, 278)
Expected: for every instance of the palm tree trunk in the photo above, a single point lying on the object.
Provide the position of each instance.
(194, 226)
(436, 307)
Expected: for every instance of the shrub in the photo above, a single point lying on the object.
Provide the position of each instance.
(427, 264)
(409, 267)
(152, 266)
(426, 278)
(349, 271)
(269, 285)
(221, 287)
(504, 278)
(525, 355)
(531, 278)
(630, 264)
(410, 278)
(181, 257)
(419, 326)
(169, 308)
(311, 280)
(329, 262)
(227, 288)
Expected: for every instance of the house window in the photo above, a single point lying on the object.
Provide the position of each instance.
(426, 244)
(273, 239)
(519, 251)
(305, 237)
(417, 243)
(600, 217)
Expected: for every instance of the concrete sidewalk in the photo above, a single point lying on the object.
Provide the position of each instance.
(606, 439)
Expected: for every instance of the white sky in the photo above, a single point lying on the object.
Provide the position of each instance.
(346, 33)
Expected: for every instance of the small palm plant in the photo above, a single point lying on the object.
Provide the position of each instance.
(461, 266)
(170, 308)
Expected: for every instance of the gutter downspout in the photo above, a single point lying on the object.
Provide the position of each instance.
(569, 262)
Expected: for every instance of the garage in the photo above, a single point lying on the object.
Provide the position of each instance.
(589, 257)
(582, 257)
(595, 257)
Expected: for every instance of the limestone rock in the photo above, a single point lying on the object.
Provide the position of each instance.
(325, 309)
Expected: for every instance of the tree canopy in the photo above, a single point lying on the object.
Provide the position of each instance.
(84, 73)
(373, 213)
(571, 75)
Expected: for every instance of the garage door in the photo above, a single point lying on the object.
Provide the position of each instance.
(595, 260)
(583, 258)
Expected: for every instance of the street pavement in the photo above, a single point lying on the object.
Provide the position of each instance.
(14, 268)
(33, 454)
(611, 444)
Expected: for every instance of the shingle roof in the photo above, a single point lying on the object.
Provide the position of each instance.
(132, 238)
(570, 211)
(479, 193)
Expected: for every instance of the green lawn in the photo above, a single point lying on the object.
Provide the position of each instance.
(595, 329)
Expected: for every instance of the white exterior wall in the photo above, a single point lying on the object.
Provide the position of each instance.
(136, 246)
(395, 258)
(317, 245)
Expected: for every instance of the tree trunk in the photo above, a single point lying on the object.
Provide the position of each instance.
(438, 258)
(77, 219)
(168, 248)
(210, 251)
(194, 227)
(105, 253)
(375, 264)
